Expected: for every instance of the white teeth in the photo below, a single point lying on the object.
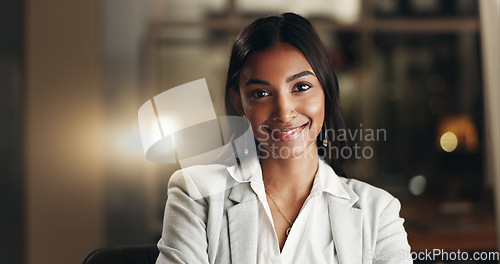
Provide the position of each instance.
(287, 132)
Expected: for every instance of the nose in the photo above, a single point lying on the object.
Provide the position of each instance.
(284, 109)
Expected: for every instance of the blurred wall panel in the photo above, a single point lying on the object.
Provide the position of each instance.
(126, 182)
(64, 130)
(11, 103)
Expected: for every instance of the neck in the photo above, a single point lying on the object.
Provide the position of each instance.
(292, 177)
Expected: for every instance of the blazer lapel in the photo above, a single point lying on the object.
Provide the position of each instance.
(243, 224)
(346, 223)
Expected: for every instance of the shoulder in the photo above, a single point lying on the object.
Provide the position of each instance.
(198, 173)
(201, 180)
(357, 193)
(366, 190)
(371, 198)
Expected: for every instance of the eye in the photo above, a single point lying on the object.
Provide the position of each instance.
(260, 94)
(300, 87)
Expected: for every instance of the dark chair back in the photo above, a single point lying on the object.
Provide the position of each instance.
(141, 254)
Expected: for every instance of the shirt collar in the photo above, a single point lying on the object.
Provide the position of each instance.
(247, 168)
(325, 180)
(328, 181)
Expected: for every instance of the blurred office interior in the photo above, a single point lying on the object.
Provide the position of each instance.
(73, 75)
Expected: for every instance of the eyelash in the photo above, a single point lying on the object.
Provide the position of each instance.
(302, 84)
(259, 93)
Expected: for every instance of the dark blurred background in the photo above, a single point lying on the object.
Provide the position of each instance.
(73, 75)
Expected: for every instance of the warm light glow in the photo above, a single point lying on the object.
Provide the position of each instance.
(148, 125)
(183, 108)
(168, 125)
(449, 141)
(457, 128)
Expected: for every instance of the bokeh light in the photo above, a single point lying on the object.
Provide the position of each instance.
(448, 141)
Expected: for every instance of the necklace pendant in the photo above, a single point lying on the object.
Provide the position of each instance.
(288, 231)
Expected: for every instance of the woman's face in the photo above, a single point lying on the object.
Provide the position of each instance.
(283, 100)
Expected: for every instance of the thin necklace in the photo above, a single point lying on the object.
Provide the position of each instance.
(281, 212)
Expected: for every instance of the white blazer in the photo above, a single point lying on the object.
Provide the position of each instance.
(211, 217)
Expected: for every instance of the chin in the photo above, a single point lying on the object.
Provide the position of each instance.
(286, 150)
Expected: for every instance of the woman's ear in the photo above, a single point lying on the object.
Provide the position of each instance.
(236, 101)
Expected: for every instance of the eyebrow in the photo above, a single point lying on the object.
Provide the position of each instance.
(289, 79)
(256, 81)
(298, 75)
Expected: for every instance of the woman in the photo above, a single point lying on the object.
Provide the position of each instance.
(294, 207)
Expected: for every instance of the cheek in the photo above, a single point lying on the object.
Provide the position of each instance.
(318, 111)
(317, 114)
(315, 109)
(319, 117)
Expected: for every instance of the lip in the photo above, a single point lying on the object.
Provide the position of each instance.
(286, 134)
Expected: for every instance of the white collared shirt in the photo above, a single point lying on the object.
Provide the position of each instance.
(310, 240)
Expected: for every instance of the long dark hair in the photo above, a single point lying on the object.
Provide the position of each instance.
(290, 28)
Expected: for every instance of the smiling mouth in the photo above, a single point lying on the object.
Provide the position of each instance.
(286, 134)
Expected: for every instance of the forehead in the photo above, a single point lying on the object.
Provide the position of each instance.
(280, 61)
